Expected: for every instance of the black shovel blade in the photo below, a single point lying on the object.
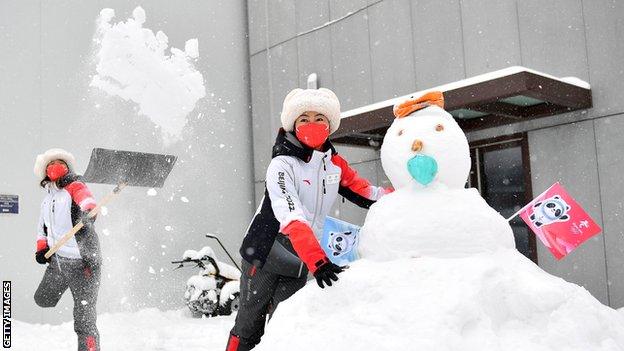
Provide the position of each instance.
(130, 167)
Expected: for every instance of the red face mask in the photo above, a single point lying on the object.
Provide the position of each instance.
(313, 134)
(56, 171)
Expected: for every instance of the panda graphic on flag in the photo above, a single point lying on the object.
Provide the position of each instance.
(559, 221)
(340, 240)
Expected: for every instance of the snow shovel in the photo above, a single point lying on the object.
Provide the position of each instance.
(122, 168)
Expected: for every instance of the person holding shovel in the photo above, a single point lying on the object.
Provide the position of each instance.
(77, 264)
(303, 180)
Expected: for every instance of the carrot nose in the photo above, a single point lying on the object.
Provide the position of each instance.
(417, 145)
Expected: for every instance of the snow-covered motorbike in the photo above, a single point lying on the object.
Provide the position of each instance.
(215, 289)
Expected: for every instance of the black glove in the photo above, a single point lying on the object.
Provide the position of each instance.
(326, 273)
(40, 256)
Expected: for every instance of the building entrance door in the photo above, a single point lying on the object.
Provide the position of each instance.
(501, 172)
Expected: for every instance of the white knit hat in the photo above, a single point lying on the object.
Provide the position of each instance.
(41, 163)
(320, 100)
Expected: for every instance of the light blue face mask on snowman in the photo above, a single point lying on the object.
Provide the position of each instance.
(422, 168)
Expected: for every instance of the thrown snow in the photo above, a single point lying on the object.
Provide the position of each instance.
(152, 192)
(499, 301)
(133, 65)
(148, 329)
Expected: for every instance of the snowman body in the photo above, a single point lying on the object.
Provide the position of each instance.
(430, 213)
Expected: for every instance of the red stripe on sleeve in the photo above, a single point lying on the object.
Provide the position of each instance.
(305, 244)
(81, 195)
(350, 179)
(41, 244)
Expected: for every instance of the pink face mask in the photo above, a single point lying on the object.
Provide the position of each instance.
(56, 171)
(313, 134)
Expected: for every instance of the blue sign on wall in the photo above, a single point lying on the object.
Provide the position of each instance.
(9, 204)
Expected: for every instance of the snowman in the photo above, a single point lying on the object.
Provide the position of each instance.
(425, 155)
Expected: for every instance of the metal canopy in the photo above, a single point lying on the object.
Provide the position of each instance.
(503, 97)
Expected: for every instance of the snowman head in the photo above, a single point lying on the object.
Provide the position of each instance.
(425, 145)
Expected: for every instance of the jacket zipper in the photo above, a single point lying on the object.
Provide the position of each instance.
(52, 225)
(316, 203)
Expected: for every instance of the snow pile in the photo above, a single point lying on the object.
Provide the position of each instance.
(204, 253)
(439, 269)
(197, 284)
(148, 330)
(435, 213)
(133, 65)
(498, 301)
(229, 289)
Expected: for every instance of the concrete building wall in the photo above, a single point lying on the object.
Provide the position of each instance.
(368, 51)
(46, 63)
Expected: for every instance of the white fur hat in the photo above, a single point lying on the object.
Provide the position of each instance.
(41, 163)
(320, 100)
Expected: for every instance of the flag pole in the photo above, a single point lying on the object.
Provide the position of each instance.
(530, 203)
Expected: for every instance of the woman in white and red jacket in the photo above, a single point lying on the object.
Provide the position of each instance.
(77, 264)
(303, 180)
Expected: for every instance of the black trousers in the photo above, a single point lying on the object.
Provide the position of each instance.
(260, 293)
(84, 284)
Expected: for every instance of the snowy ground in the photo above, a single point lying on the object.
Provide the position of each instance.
(149, 330)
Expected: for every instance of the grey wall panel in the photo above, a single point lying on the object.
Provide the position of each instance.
(610, 144)
(257, 23)
(21, 132)
(552, 37)
(605, 49)
(263, 130)
(259, 192)
(491, 36)
(568, 154)
(284, 76)
(438, 46)
(391, 49)
(351, 58)
(282, 21)
(311, 14)
(340, 8)
(357, 154)
(314, 54)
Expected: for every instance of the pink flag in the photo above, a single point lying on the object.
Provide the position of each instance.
(559, 222)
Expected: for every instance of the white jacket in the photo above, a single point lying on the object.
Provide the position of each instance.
(301, 185)
(60, 211)
(55, 221)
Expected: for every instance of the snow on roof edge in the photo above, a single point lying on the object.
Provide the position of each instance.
(462, 83)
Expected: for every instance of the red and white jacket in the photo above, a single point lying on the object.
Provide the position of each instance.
(301, 188)
(65, 202)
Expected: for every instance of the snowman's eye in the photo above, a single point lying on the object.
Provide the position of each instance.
(400, 132)
(439, 128)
